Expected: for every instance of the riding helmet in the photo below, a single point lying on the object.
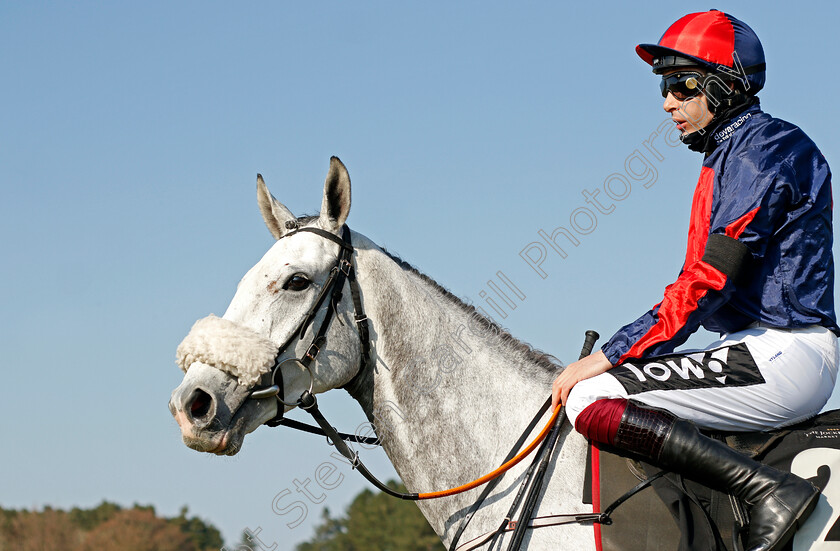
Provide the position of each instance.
(714, 41)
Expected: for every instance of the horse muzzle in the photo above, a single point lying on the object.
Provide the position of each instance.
(214, 412)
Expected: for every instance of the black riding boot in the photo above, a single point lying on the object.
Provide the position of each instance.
(779, 502)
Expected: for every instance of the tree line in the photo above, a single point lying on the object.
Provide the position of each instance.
(375, 521)
(372, 522)
(107, 527)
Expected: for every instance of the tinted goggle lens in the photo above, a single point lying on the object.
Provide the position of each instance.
(681, 85)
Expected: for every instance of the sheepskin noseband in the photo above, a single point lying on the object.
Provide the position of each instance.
(229, 347)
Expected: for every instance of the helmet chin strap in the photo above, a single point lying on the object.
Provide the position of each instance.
(702, 140)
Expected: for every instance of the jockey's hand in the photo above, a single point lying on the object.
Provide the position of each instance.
(594, 364)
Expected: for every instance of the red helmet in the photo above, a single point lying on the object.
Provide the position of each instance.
(713, 41)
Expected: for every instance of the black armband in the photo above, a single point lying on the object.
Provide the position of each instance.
(727, 255)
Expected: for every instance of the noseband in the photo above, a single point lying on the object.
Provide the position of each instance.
(331, 292)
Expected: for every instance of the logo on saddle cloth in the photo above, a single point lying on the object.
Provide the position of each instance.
(729, 366)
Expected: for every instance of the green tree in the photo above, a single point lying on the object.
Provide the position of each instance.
(330, 535)
(204, 536)
(375, 521)
(88, 519)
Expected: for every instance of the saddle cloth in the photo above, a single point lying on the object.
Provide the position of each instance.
(678, 514)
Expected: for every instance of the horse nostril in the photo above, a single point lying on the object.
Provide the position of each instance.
(201, 404)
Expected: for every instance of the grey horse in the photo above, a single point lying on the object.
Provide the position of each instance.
(448, 391)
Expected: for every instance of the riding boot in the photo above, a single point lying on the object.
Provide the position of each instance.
(779, 502)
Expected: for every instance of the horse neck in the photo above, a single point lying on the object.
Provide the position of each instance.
(448, 394)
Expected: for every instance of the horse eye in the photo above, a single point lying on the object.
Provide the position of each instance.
(297, 282)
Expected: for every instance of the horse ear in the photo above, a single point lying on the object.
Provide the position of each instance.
(336, 205)
(273, 211)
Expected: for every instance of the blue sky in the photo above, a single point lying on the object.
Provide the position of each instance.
(130, 139)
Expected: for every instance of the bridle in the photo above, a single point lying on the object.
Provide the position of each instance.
(331, 294)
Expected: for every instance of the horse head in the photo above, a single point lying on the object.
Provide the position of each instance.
(232, 366)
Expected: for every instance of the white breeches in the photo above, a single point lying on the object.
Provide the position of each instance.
(756, 379)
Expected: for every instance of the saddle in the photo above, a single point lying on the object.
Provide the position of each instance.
(683, 515)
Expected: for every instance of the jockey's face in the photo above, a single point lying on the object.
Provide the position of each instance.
(690, 114)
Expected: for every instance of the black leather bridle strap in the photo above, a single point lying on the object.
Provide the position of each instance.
(343, 243)
(309, 404)
(344, 270)
(332, 288)
(561, 519)
(360, 318)
(536, 481)
(534, 475)
(304, 427)
(495, 482)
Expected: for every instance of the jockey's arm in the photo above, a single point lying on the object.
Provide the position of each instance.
(590, 366)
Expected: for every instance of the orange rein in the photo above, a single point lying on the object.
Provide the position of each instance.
(499, 471)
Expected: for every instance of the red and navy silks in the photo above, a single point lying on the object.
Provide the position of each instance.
(765, 188)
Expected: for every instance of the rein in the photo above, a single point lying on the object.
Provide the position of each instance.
(331, 294)
(345, 270)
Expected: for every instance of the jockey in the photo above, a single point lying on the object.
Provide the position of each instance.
(758, 270)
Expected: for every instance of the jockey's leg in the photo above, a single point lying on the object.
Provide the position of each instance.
(779, 502)
(775, 378)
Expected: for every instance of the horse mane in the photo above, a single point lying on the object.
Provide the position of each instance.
(534, 355)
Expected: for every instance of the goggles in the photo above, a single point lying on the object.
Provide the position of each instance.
(681, 85)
